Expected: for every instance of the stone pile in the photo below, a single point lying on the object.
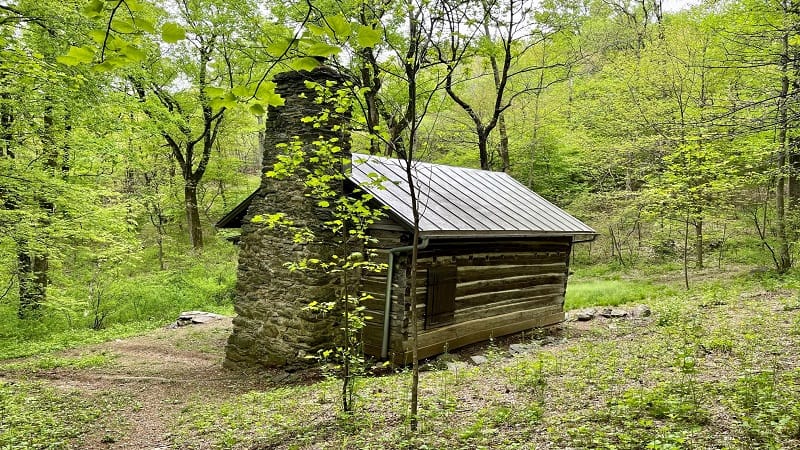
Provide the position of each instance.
(585, 315)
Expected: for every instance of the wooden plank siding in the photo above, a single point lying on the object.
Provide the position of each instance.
(502, 287)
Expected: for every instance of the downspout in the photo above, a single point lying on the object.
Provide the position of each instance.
(387, 307)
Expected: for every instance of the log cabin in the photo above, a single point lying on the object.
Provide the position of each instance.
(493, 257)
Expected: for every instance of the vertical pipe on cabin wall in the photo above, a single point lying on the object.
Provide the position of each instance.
(387, 307)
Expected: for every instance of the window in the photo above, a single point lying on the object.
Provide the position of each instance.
(441, 303)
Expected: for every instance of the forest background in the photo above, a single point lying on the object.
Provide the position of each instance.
(127, 128)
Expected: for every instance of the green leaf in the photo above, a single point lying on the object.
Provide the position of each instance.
(172, 33)
(368, 37)
(274, 100)
(339, 25)
(266, 89)
(76, 55)
(105, 66)
(228, 101)
(145, 25)
(122, 26)
(116, 43)
(317, 30)
(241, 91)
(305, 64)
(67, 60)
(280, 47)
(213, 92)
(133, 53)
(98, 36)
(323, 49)
(133, 5)
(257, 109)
(94, 8)
(117, 61)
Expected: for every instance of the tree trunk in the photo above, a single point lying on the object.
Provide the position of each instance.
(794, 180)
(32, 271)
(6, 122)
(32, 265)
(370, 80)
(193, 215)
(686, 252)
(262, 135)
(698, 233)
(66, 157)
(793, 173)
(501, 126)
(784, 257)
(483, 150)
(498, 86)
(48, 138)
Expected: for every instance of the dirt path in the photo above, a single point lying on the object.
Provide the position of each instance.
(157, 375)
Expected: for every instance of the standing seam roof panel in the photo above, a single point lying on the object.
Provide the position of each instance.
(556, 214)
(530, 207)
(386, 195)
(553, 215)
(446, 186)
(425, 197)
(401, 199)
(497, 217)
(508, 211)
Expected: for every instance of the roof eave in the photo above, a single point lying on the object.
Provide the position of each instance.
(503, 234)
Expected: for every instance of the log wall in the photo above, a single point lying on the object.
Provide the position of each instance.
(502, 287)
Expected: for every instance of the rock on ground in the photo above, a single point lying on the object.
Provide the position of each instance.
(195, 318)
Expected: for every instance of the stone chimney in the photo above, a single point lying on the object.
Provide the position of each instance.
(272, 328)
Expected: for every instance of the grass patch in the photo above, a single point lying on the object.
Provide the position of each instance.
(14, 347)
(587, 293)
(34, 416)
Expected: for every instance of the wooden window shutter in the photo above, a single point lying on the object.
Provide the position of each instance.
(441, 304)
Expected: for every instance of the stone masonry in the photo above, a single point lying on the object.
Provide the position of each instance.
(272, 328)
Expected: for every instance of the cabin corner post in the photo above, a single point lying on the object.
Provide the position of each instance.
(387, 309)
(273, 327)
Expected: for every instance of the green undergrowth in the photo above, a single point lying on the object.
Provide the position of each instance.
(35, 416)
(714, 367)
(133, 299)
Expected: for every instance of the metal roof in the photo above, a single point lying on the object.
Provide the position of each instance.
(458, 202)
